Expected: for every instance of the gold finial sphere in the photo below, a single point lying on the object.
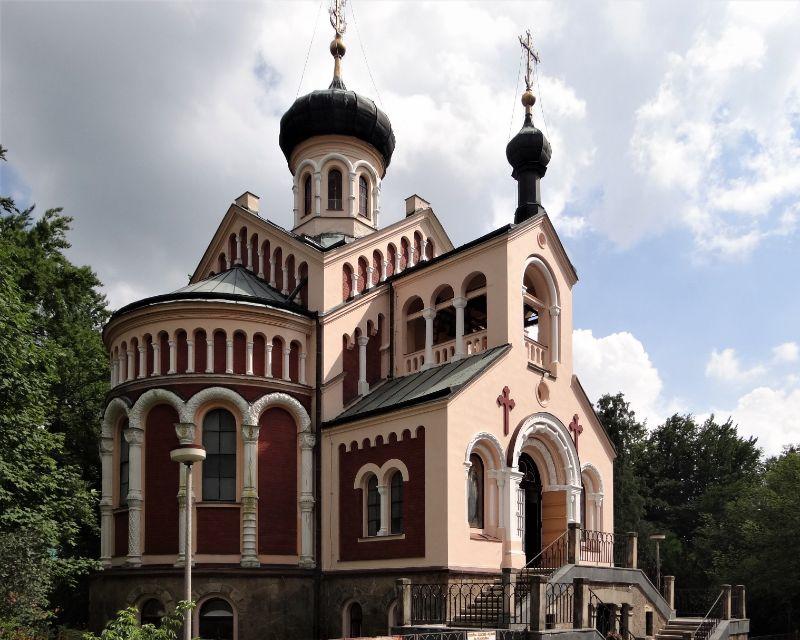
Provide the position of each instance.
(528, 99)
(337, 47)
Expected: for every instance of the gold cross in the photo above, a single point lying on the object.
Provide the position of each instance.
(532, 57)
(338, 21)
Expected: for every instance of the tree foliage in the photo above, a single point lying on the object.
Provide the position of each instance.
(51, 390)
(126, 626)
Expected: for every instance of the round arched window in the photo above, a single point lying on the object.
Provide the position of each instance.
(354, 620)
(475, 492)
(216, 620)
(152, 612)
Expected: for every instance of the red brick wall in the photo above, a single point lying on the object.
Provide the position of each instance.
(218, 529)
(149, 346)
(277, 483)
(277, 358)
(161, 482)
(294, 362)
(163, 340)
(391, 256)
(200, 351)
(220, 351)
(183, 353)
(351, 459)
(347, 282)
(121, 533)
(258, 355)
(239, 353)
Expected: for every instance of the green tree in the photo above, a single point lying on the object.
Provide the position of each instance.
(126, 626)
(48, 463)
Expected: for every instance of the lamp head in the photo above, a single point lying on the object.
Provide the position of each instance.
(188, 455)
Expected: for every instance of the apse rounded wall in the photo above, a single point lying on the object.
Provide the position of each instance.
(192, 339)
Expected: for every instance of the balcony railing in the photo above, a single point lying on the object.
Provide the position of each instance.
(537, 353)
(444, 351)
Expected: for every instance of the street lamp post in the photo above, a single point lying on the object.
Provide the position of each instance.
(657, 538)
(188, 456)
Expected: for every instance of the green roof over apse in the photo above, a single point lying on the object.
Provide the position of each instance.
(424, 386)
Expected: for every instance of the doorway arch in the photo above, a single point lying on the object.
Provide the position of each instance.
(530, 487)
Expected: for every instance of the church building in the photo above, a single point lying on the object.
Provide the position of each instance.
(378, 407)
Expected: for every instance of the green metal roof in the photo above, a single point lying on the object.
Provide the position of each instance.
(423, 386)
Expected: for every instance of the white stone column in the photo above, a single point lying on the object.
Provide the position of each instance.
(172, 357)
(370, 271)
(424, 256)
(209, 353)
(189, 356)
(285, 285)
(122, 370)
(129, 364)
(397, 259)
(317, 192)
(411, 252)
(135, 438)
(113, 366)
(302, 375)
(429, 314)
(555, 312)
(363, 385)
(354, 284)
(376, 204)
(238, 249)
(383, 492)
(351, 207)
(260, 263)
(156, 357)
(268, 360)
(142, 361)
(272, 281)
(286, 352)
(307, 440)
(106, 499)
(250, 257)
(511, 519)
(384, 269)
(459, 304)
(228, 262)
(229, 356)
(250, 496)
(249, 369)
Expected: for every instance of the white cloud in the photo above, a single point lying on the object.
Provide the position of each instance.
(771, 415)
(619, 362)
(725, 366)
(786, 352)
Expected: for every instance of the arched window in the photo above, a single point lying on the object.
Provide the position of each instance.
(373, 506)
(353, 620)
(363, 195)
(393, 615)
(216, 620)
(307, 195)
(152, 612)
(124, 466)
(475, 492)
(397, 503)
(219, 468)
(335, 190)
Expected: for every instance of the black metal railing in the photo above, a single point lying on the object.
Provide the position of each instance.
(710, 620)
(559, 604)
(482, 604)
(597, 547)
(552, 557)
(607, 618)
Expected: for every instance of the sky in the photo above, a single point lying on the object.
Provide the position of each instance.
(674, 182)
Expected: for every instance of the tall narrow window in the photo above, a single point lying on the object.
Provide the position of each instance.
(363, 194)
(124, 467)
(307, 195)
(397, 502)
(335, 189)
(354, 620)
(373, 506)
(219, 468)
(475, 489)
(216, 620)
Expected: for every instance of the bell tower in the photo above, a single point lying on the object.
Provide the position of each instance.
(338, 145)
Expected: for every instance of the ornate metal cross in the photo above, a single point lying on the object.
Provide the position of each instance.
(338, 21)
(504, 400)
(576, 429)
(531, 56)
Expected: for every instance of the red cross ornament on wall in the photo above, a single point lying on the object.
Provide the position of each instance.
(504, 400)
(576, 429)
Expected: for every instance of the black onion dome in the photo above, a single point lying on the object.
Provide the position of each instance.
(529, 147)
(336, 111)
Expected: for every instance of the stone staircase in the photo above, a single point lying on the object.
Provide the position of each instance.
(684, 629)
(486, 610)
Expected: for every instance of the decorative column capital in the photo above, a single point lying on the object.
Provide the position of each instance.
(555, 311)
(185, 432)
(141, 348)
(134, 436)
(306, 503)
(362, 341)
(250, 433)
(229, 342)
(307, 440)
(459, 303)
(106, 446)
(429, 313)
